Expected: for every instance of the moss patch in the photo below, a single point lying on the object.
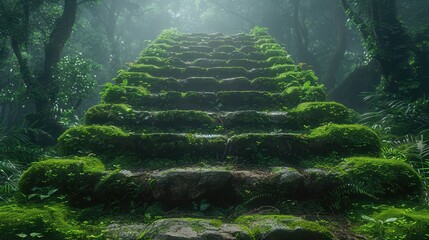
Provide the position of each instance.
(44, 222)
(382, 177)
(75, 177)
(314, 114)
(283, 227)
(96, 139)
(346, 139)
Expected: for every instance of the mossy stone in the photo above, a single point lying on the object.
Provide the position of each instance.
(382, 177)
(117, 94)
(314, 114)
(110, 114)
(347, 139)
(95, 139)
(296, 95)
(259, 147)
(283, 227)
(75, 177)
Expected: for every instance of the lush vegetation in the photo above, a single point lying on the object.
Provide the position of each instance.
(315, 127)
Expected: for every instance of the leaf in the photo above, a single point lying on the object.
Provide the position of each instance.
(21, 235)
(390, 220)
(369, 218)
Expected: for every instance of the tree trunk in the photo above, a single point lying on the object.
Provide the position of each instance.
(393, 48)
(337, 57)
(58, 38)
(303, 53)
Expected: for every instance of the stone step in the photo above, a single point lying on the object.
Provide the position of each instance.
(353, 179)
(249, 148)
(204, 84)
(210, 101)
(256, 227)
(214, 37)
(208, 63)
(190, 121)
(215, 72)
(194, 55)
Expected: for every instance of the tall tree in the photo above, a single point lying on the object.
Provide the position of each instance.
(388, 42)
(18, 19)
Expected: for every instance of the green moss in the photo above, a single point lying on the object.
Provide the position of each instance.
(191, 56)
(344, 139)
(227, 72)
(410, 224)
(282, 60)
(296, 95)
(184, 120)
(110, 114)
(314, 114)
(298, 77)
(164, 71)
(288, 227)
(75, 177)
(275, 53)
(249, 120)
(382, 177)
(153, 61)
(179, 146)
(146, 80)
(48, 222)
(260, 148)
(96, 139)
(124, 95)
(245, 100)
(246, 63)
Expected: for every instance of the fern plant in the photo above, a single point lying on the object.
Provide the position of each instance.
(9, 176)
(419, 159)
(396, 116)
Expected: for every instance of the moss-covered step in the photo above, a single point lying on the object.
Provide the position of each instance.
(221, 187)
(140, 99)
(341, 139)
(192, 71)
(312, 114)
(256, 227)
(210, 84)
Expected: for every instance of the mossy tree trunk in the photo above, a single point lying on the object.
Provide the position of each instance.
(388, 42)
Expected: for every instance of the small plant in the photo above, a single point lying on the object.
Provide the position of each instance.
(378, 227)
(42, 193)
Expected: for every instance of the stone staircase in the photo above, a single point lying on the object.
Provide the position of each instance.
(208, 120)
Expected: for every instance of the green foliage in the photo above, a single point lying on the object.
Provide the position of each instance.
(397, 224)
(259, 31)
(76, 78)
(395, 116)
(9, 176)
(41, 222)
